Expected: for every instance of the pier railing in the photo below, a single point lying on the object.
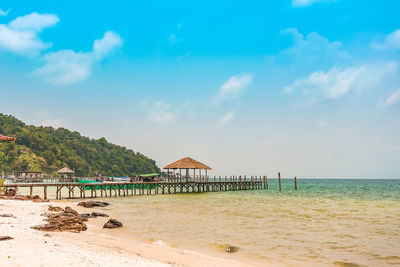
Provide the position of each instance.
(116, 189)
(171, 185)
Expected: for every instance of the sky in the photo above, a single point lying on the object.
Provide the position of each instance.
(309, 88)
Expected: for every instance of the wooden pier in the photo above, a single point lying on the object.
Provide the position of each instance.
(119, 189)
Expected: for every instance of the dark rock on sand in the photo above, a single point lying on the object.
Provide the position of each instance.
(71, 211)
(10, 192)
(7, 215)
(14, 196)
(231, 249)
(112, 223)
(54, 208)
(91, 204)
(92, 215)
(4, 238)
(68, 220)
(98, 214)
(85, 216)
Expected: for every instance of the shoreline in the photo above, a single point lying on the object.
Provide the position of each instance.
(90, 246)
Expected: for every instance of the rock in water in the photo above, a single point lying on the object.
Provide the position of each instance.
(112, 223)
(91, 204)
(4, 238)
(231, 249)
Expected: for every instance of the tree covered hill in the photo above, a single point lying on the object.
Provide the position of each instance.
(48, 149)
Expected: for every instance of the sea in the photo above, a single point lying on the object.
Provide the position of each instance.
(326, 222)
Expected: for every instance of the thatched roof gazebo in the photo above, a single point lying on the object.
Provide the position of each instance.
(187, 164)
(65, 172)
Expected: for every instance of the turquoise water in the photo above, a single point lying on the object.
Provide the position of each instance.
(325, 222)
(383, 189)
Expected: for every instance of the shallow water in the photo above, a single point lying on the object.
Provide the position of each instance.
(325, 222)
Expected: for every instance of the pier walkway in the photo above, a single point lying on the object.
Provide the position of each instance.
(119, 189)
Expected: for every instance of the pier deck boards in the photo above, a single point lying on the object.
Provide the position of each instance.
(118, 189)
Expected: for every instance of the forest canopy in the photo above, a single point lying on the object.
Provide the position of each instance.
(47, 149)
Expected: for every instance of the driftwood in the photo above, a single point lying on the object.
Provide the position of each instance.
(4, 238)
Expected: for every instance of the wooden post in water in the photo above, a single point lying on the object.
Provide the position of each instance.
(295, 183)
(266, 181)
(279, 180)
(45, 192)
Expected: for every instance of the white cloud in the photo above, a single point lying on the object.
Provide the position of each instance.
(20, 36)
(161, 112)
(55, 123)
(302, 3)
(233, 86)
(391, 99)
(110, 41)
(337, 82)
(226, 119)
(4, 13)
(391, 42)
(313, 46)
(34, 22)
(68, 66)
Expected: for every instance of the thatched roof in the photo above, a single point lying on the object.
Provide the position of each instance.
(187, 163)
(65, 170)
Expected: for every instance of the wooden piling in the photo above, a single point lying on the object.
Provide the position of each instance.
(44, 192)
(295, 183)
(279, 180)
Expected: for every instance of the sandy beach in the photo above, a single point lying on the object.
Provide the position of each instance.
(89, 248)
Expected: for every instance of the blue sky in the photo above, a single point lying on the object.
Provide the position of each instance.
(306, 87)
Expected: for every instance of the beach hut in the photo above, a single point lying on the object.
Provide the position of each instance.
(66, 172)
(4, 138)
(186, 164)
